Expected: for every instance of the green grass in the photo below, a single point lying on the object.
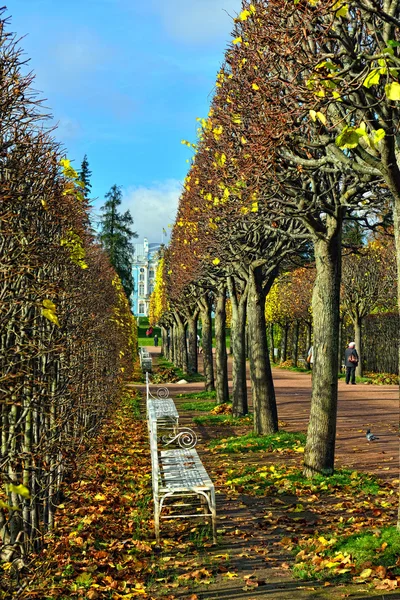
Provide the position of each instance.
(223, 420)
(132, 399)
(367, 546)
(289, 368)
(364, 549)
(199, 396)
(261, 480)
(200, 406)
(252, 442)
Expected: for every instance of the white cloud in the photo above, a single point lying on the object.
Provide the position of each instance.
(197, 21)
(153, 208)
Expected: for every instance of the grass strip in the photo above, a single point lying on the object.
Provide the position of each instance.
(251, 442)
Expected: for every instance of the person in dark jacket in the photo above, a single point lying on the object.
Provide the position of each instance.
(351, 362)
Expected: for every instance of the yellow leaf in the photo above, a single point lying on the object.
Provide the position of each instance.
(20, 489)
(44, 204)
(372, 78)
(244, 15)
(321, 117)
(49, 304)
(216, 261)
(313, 115)
(237, 40)
(323, 541)
(365, 574)
(220, 159)
(340, 10)
(230, 575)
(51, 316)
(392, 91)
(255, 86)
(299, 449)
(243, 140)
(100, 497)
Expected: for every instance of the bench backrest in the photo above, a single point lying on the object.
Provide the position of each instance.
(155, 468)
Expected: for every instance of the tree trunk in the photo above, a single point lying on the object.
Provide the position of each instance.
(340, 344)
(181, 343)
(238, 345)
(308, 342)
(221, 357)
(192, 343)
(170, 343)
(174, 340)
(358, 341)
(320, 448)
(206, 327)
(264, 402)
(284, 342)
(295, 343)
(164, 342)
(271, 342)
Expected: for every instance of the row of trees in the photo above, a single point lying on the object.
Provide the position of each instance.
(300, 141)
(368, 286)
(67, 337)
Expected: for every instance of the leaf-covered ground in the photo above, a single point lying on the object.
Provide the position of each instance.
(278, 535)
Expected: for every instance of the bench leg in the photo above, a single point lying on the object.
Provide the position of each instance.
(157, 521)
(213, 507)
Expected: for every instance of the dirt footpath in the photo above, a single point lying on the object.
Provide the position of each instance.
(254, 548)
(360, 407)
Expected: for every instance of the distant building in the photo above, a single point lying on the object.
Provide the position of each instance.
(144, 275)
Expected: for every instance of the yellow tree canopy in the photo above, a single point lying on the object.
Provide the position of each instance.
(158, 300)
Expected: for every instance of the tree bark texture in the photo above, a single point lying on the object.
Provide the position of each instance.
(221, 357)
(264, 402)
(358, 341)
(284, 341)
(295, 343)
(238, 345)
(192, 344)
(271, 342)
(308, 342)
(206, 326)
(320, 447)
(181, 343)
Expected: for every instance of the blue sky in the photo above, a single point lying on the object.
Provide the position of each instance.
(125, 81)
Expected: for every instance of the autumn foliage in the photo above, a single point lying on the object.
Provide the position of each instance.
(67, 338)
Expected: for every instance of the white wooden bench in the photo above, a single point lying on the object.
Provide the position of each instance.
(146, 362)
(164, 407)
(178, 473)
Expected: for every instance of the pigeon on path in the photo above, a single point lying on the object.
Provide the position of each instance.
(370, 436)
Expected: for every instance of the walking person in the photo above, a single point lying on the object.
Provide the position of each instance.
(351, 362)
(156, 340)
